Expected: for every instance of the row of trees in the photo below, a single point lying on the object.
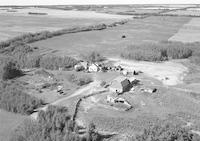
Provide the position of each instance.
(32, 37)
(159, 51)
(13, 99)
(54, 124)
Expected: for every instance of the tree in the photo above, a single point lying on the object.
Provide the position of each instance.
(92, 134)
(9, 68)
(166, 132)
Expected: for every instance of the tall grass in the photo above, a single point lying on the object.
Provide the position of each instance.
(158, 51)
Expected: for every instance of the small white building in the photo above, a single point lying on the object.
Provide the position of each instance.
(93, 68)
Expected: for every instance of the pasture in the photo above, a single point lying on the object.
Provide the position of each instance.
(13, 24)
(189, 32)
(8, 122)
(109, 42)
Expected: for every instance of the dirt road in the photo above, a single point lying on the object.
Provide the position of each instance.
(83, 91)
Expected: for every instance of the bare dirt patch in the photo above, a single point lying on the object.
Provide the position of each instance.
(170, 73)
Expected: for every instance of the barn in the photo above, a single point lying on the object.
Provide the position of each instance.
(120, 85)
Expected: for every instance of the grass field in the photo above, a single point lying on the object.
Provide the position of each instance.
(11, 23)
(189, 32)
(8, 122)
(109, 42)
(167, 104)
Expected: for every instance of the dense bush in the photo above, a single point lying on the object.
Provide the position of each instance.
(79, 80)
(33, 61)
(54, 124)
(24, 54)
(166, 132)
(93, 57)
(27, 57)
(196, 54)
(9, 68)
(158, 51)
(13, 99)
(56, 62)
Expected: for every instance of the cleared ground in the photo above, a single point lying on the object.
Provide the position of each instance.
(109, 41)
(8, 122)
(170, 73)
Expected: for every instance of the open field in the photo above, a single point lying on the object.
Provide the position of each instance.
(167, 104)
(184, 12)
(12, 24)
(8, 122)
(160, 91)
(189, 32)
(109, 42)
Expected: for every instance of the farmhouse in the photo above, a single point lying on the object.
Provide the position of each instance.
(120, 85)
(93, 68)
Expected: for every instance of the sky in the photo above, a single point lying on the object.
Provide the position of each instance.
(85, 2)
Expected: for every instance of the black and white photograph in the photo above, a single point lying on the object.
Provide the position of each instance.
(99, 70)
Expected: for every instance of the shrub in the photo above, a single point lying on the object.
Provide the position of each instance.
(166, 132)
(80, 81)
(9, 68)
(33, 61)
(13, 99)
(56, 62)
(54, 124)
(93, 57)
(158, 51)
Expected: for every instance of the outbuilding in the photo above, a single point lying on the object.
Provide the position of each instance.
(120, 85)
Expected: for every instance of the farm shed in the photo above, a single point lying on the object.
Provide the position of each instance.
(120, 85)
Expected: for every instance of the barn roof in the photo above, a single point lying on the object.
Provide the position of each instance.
(120, 82)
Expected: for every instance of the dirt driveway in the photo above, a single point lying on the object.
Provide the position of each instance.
(83, 91)
(170, 72)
